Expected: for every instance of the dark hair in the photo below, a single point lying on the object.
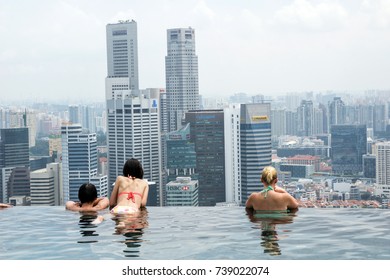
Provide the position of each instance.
(87, 193)
(133, 168)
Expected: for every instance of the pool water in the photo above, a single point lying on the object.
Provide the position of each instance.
(195, 233)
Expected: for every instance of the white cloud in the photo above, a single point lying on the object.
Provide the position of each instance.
(204, 10)
(304, 14)
(376, 12)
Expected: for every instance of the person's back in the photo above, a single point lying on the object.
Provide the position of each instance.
(273, 201)
(130, 191)
(272, 197)
(88, 200)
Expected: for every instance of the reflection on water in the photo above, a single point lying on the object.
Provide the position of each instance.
(88, 225)
(131, 226)
(267, 222)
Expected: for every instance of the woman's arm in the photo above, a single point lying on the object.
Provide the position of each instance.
(73, 206)
(145, 195)
(114, 193)
(292, 203)
(101, 203)
(248, 203)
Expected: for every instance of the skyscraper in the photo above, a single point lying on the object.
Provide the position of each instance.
(232, 153)
(46, 185)
(122, 52)
(14, 163)
(207, 132)
(181, 74)
(79, 161)
(133, 132)
(255, 146)
(348, 145)
(337, 112)
(383, 168)
(306, 118)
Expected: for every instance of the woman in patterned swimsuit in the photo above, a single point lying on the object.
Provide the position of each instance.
(130, 191)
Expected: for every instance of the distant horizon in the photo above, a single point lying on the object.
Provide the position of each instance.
(81, 101)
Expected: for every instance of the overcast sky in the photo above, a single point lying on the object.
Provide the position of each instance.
(56, 50)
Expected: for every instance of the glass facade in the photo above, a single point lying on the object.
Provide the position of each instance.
(14, 163)
(256, 146)
(207, 133)
(348, 145)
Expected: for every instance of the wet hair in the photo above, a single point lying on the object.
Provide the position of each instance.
(268, 175)
(87, 193)
(133, 168)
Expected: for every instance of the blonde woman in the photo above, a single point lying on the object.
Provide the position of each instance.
(272, 197)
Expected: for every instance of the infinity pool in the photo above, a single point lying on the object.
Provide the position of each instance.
(201, 233)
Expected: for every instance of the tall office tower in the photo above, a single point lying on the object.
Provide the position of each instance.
(325, 123)
(133, 131)
(79, 160)
(207, 132)
(181, 74)
(181, 155)
(380, 119)
(337, 112)
(292, 102)
(348, 145)
(88, 118)
(232, 153)
(291, 123)
(46, 186)
(366, 115)
(306, 118)
(14, 163)
(383, 168)
(369, 166)
(122, 52)
(74, 114)
(255, 146)
(318, 121)
(278, 119)
(182, 192)
(351, 114)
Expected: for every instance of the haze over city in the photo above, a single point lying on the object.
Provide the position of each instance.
(56, 50)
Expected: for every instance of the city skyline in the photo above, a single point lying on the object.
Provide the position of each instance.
(55, 50)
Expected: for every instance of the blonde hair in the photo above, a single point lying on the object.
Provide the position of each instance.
(268, 175)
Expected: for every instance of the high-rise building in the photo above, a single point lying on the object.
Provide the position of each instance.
(46, 186)
(79, 160)
(181, 155)
(291, 123)
(306, 118)
(369, 166)
(14, 163)
(255, 146)
(383, 168)
(182, 192)
(207, 132)
(133, 132)
(232, 153)
(122, 52)
(348, 145)
(181, 74)
(74, 114)
(337, 112)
